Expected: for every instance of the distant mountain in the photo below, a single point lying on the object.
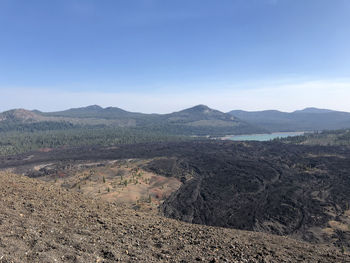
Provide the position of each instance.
(201, 115)
(21, 116)
(313, 110)
(200, 109)
(93, 111)
(202, 120)
(198, 120)
(309, 119)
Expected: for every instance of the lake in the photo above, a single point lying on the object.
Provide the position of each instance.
(262, 137)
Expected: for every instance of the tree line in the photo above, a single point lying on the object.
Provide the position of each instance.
(19, 141)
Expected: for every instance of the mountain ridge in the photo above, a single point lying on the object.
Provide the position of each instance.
(308, 119)
(21, 115)
(197, 120)
(313, 110)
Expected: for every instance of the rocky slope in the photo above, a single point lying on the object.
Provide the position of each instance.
(289, 190)
(298, 191)
(43, 223)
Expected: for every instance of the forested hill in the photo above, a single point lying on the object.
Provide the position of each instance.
(94, 111)
(23, 130)
(199, 120)
(324, 138)
(309, 119)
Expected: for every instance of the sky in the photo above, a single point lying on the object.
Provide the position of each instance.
(164, 55)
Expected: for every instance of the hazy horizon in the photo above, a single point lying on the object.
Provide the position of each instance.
(191, 106)
(157, 56)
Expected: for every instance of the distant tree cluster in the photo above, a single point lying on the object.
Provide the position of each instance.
(19, 141)
(329, 138)
(36, 126)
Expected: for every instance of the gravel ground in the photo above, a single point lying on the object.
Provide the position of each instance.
(40, 222)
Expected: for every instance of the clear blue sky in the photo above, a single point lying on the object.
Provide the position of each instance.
(99, 49)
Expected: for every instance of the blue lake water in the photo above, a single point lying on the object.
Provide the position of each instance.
(262, 137)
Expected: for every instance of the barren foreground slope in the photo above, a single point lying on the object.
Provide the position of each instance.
(40, 222)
